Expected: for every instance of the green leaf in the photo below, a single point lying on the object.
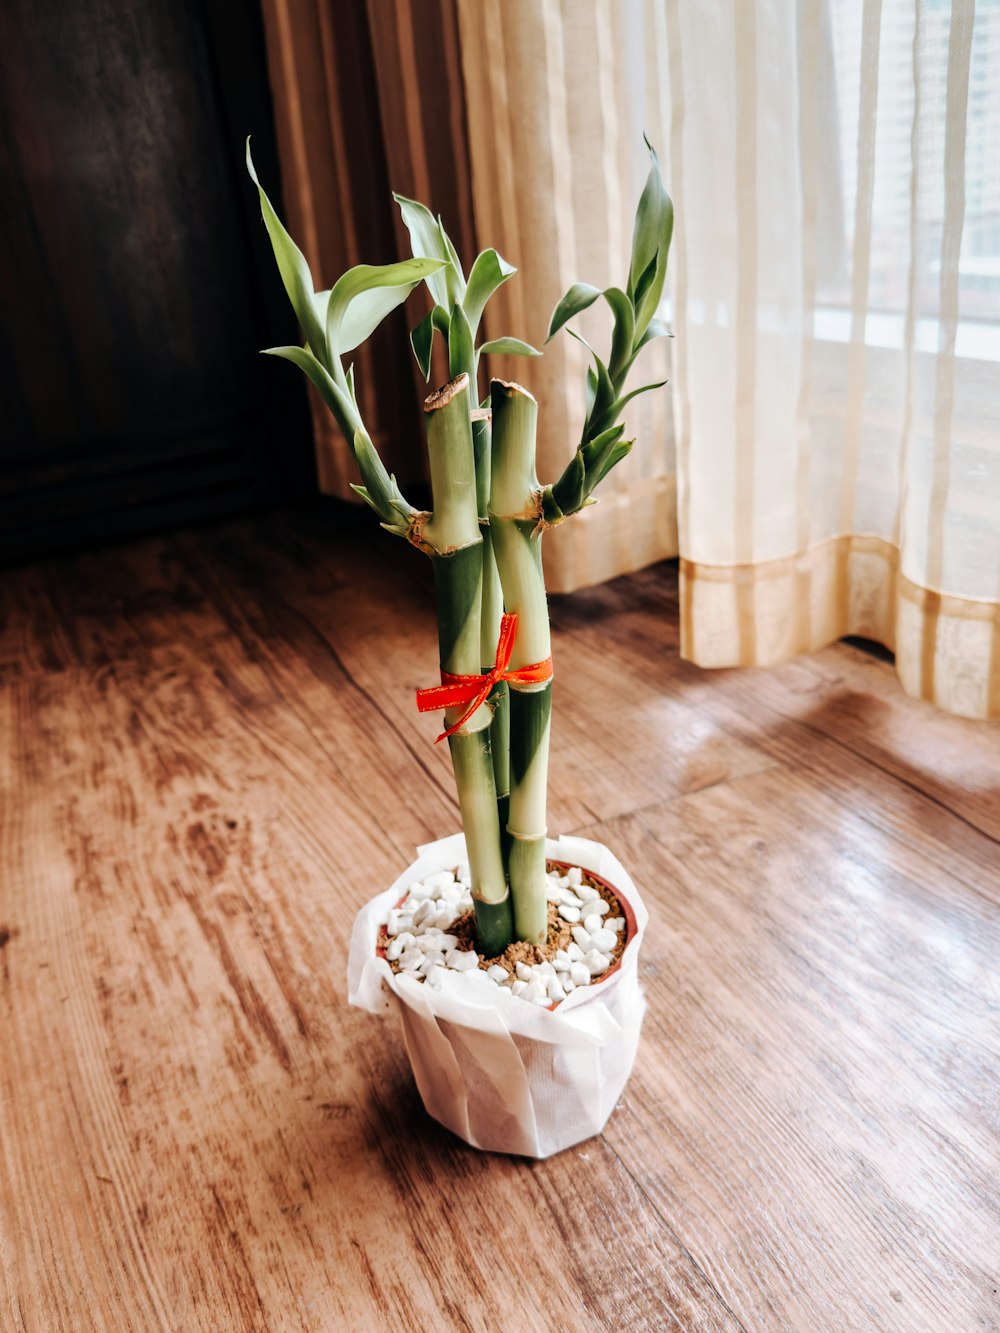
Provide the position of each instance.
(454, 276)
(488, 272)
(461, 352)
(615, 408)
(293, 268)
(579, 297)
(422, 342)
(367, 311)
(604, 397)
(506, 347)
(591, 389)
(618, 451)
(569, 490)
(624, 331)
(365, 295)
(594, 450)
(654, 225)
(339, 402)
(655, 329)
(426, 242)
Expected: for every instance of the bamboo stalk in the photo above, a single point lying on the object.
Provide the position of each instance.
(452, 536)
(514, 515)
(492, 613)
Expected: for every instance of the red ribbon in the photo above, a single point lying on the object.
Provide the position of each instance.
(474, 690)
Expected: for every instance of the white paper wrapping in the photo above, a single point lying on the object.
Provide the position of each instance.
(503, 1074)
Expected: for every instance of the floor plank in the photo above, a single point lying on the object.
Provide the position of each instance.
(209, 757)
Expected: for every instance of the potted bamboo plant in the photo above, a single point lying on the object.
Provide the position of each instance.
(511, 957)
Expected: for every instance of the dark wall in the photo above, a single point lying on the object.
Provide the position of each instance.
(137, 282)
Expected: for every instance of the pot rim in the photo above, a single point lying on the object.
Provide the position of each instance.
(631, 927)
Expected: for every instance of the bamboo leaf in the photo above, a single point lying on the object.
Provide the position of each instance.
(425, 242)
(367, 311)
(594, 450)
(624, 332)
(591, 389)
(648, 228)
(651, 234)
(578, 298)
(506, 347)
(293, 268)
(569, 490)
(461, 351)
(620, 450)
(361, 289)
(422, 342)
(655, 329)
(339, 403)
(615, 408)
(488, 273)
(604, 397)
(454, 274)
(442, 321)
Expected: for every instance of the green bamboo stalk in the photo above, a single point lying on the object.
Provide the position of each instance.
(452, 536)
(492, 613)
(516, 530)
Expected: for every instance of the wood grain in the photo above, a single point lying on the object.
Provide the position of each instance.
(209, 757)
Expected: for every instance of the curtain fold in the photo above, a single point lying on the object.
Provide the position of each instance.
(828, 462)
(838, 391)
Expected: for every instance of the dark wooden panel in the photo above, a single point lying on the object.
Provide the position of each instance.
(131, 390)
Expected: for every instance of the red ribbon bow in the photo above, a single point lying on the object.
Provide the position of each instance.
(474, 690)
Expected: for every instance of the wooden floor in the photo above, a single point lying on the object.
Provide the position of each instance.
(209, 757)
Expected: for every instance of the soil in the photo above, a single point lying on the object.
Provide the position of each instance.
(559, 932)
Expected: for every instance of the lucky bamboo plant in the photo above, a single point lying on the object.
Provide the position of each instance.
(489, 513)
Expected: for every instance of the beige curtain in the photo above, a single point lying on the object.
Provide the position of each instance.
(835, 292)
(838, 405)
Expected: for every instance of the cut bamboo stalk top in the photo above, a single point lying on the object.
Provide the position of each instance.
(443, 396)
(512, 387)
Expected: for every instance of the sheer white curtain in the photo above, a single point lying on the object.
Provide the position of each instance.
(835, 294)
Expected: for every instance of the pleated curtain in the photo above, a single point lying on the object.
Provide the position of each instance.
(827, 462)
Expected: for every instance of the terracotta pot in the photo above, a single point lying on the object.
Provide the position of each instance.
(503, 1074)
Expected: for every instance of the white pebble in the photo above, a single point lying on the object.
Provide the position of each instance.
(498, 973)
(524, 972)
(545, 969)
(518, 987)
(592, 923)
(396, 946)
(575, 875)
(433, 959)
(462, 960)
(573, 952)
(596, 962)
(555, 988)
(561, 962)
(570, 913)
(600, 907)
(616, 923)
(542, 1000)
(580, 974)
(398, 921)
(587, 891)
(425, 913)
(433, 977)
(582, 938)
(605, 940)
(410, 959)
(534, 990)
(418, 891)
(568, 984)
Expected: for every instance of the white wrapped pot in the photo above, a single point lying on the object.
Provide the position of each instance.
(501, 1073)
